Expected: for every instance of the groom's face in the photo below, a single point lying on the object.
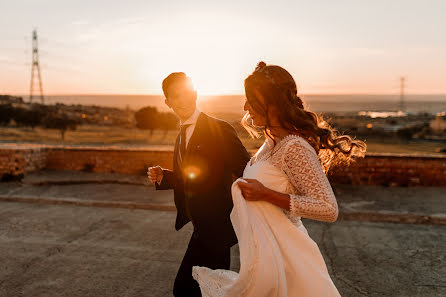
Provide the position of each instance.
(182, 99)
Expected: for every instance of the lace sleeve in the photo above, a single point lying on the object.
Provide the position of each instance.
(314, 198)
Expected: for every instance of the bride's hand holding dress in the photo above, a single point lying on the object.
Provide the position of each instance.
(252, 189)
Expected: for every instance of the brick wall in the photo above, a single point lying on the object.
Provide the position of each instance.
(393, 170)
(375, 169)
(128, 161)
(16, 160)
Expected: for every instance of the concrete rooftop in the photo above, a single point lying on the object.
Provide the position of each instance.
(66, 233)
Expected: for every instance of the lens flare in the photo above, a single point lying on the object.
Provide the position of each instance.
(191, 172)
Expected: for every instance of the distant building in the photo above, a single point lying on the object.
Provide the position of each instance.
(437, 125)
(383, 114)
(5, 99)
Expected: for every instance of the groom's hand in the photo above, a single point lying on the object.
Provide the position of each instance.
(155, 174)
(252, 189)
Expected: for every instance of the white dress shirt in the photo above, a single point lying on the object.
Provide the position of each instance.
(192, 121)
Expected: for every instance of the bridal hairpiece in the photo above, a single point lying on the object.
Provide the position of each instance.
(261, 67)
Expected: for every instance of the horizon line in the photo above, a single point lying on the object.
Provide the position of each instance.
(228, 95)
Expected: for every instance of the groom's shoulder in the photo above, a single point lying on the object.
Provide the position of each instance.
(216, 123)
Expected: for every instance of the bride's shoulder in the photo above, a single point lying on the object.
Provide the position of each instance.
(293, 142)
(291, 149)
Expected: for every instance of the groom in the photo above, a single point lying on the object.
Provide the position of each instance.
(207, 156)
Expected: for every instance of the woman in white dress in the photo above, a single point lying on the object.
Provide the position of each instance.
(284, 181)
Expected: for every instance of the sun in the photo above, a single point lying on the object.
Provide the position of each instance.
(216, 83)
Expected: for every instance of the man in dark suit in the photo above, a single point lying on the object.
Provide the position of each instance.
(207, 156)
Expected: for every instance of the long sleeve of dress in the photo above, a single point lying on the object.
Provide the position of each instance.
(314, 197)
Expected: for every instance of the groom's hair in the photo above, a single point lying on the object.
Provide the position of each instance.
(176, 77)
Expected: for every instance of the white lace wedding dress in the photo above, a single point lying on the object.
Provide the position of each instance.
(277, 256)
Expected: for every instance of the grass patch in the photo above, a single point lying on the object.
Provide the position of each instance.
(107, 135)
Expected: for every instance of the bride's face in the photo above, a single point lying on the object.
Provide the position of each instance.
(255, 104)
(258, 119)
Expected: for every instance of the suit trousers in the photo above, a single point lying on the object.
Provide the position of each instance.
(199, 253)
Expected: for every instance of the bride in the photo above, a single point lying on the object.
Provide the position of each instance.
(284, 181)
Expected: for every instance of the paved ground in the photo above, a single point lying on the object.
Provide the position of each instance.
(68, 250)
(421, 205)
(54, 250)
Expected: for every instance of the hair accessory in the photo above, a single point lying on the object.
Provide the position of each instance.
(261, 67)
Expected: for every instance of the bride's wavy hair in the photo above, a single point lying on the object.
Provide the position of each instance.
(277, 88)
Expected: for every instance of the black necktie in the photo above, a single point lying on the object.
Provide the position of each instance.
(182, 151)
(182, 142)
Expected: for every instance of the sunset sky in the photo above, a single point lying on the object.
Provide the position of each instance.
(128, 47)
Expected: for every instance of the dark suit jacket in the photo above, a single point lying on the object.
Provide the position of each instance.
(202, 182)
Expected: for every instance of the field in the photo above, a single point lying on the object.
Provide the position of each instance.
(107, 135)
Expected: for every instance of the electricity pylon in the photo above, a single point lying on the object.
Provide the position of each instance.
(35, 66)
(402, 86)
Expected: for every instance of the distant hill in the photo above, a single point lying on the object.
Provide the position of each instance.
(233, 104)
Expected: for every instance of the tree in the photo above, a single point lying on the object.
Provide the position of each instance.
(19, 116)
(28, 117)
(6, 111)
(10, 99)
(62, 123)
(33, 118)
(167, 122)
(147, 119)
(406, 133)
